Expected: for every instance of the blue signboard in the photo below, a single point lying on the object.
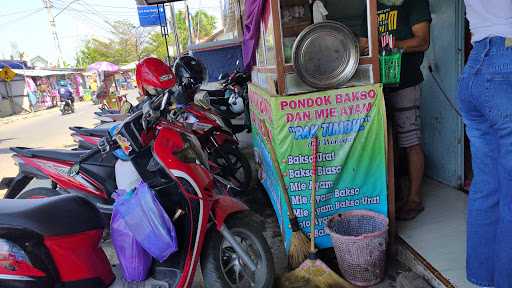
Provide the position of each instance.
(151, 15)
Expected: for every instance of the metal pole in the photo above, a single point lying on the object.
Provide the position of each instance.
(189, 24)
(53, 31)
(241, 18)
(175, 30)
(163, 30)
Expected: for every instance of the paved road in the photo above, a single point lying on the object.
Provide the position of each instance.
(47, 129)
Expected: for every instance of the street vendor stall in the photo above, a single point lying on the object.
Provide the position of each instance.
(355, 168)
(108, 92)
(40, 86)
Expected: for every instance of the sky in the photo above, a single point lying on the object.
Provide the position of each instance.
(24, 24)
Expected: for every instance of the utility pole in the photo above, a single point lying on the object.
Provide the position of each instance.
(175, 29)
(53, 31)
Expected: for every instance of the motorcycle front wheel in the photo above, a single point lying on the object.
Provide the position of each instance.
(234, 166)
(221, 265)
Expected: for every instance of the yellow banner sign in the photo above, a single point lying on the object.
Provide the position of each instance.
(7, 74)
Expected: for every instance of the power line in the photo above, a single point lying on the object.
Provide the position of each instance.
(19, 19)
(18, 12)
(83, 3)
(134, 7)
(123, 14)
(100, 25)
(117, 7)
(89, 10)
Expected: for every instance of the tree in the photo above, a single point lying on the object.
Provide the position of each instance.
(129, 43)
(156, 46)
(95, 50)
(125, 46)
(203, 25)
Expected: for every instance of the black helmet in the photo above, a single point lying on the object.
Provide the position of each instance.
(190, 72)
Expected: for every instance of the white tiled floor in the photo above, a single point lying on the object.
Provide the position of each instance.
(439, 233)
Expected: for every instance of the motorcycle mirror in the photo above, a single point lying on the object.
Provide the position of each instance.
(146, 114)
(164, 101)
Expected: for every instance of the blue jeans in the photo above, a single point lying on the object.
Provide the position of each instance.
(485, 99)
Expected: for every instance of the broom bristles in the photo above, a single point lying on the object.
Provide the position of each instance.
(316, 274)
(299, 249)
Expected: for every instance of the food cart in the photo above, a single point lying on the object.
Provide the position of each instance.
(355, 159)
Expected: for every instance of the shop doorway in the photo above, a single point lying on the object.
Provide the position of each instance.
(443, 129)
(439, 233)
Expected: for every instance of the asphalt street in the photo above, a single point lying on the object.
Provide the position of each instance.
(44, 129)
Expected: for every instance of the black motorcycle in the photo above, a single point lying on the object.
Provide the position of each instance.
(67, 106)
(231, 101)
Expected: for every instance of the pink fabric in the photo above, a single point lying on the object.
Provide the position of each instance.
(30, 85)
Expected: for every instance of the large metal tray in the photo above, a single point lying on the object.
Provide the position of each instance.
(326, 55)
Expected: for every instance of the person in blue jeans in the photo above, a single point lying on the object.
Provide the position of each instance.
(485, 99)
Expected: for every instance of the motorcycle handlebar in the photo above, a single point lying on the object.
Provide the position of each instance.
(89, 154)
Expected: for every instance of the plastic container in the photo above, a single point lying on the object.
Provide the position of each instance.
(390, 68)
(359, 239)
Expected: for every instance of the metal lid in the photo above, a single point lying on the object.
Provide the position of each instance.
(326, 55)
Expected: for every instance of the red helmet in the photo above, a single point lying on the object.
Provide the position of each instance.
(154, 76)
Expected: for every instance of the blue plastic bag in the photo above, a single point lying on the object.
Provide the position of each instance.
(135, 261)
(148, 222)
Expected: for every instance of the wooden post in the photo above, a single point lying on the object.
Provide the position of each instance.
(391, 184)
(9, 96)
(373, 40)
(278, 43)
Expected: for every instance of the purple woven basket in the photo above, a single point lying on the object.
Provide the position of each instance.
(359, 239)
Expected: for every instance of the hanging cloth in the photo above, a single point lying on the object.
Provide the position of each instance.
(252, 23)
(319, 12)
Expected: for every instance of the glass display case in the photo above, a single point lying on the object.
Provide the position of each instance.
(284, 20)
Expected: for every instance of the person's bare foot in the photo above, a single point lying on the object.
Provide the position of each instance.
(410, 211)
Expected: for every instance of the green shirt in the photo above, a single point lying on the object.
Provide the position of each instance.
(398, 21)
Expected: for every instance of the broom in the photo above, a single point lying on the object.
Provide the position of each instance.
(298, 242)
(314, 271)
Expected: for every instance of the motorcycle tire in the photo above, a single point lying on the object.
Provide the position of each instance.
(228, 157)
(38, 193)
(219, 262)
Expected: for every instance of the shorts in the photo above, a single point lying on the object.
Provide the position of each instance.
(405, 110)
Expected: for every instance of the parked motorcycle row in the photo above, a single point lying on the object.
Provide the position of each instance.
(185, 153)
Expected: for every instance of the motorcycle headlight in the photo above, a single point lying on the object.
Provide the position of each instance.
(192, 151)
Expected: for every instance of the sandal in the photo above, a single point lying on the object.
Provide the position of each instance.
(409, 213)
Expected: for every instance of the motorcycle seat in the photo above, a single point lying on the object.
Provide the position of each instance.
(60, 215)
(57, 154)
(90, 131)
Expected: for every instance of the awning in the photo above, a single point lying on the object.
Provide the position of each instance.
(42, 73)
(14, 64)
(129, 66)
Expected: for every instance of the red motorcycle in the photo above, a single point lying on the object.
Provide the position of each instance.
(216, 139)
(54, 242)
